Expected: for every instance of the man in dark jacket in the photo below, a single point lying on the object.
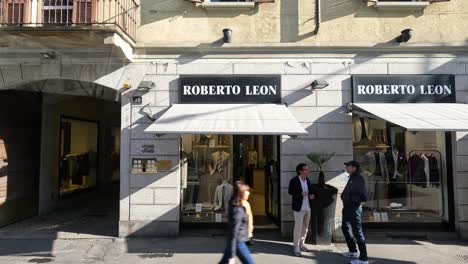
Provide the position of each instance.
(302, 194)
(353, 195)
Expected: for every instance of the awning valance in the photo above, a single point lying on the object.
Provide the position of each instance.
(420, 116)
(246, 119)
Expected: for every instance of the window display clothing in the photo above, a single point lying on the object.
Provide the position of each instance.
(220, 163)
(253, 158)
(223, 194)
(376, 174)
(72, 168)
(368, 163)
(424, 170)
(433, 169)
(220, 170)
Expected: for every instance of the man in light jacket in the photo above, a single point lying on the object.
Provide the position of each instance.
(302, 194)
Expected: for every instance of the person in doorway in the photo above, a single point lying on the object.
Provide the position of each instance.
(238, 227)
(354, 194)
(302, 194)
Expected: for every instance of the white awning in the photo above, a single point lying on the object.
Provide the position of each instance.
(247, 119)
(421, 117)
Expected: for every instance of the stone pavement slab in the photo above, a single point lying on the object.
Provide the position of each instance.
(203, 250)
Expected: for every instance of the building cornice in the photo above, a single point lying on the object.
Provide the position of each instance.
(297, 49)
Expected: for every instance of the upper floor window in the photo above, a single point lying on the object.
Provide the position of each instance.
(12, 11)
(67, 11)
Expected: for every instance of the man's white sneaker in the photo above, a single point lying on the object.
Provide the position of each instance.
(358, 261)
(304, 248)
(297, 252)
(350, 254)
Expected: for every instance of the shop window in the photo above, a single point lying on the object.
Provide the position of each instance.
(210, 164)
(78, 155)
(405, 172)
(206, 177)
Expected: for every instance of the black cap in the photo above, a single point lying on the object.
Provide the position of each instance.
(352, 163)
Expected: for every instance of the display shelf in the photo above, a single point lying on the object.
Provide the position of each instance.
(370, 147)
(206, 146)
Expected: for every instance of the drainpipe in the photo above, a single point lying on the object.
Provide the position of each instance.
(318, 18)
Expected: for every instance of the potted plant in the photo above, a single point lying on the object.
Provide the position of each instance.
(324, 203)
(320, 159)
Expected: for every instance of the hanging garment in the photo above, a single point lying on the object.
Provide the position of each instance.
(390, 164)
(73, 169)
(253, 158)
(402, 175)
(426, 169)
(395, 163)
(433, 170)
(417, 174)
(223, 194)
(368, 164)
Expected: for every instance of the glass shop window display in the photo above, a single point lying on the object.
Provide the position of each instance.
(78, 155)
(405, 172)
(207, 167)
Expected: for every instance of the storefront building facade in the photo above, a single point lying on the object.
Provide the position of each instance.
(173, 186)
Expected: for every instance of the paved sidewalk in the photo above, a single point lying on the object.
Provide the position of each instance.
(194, 250)
(85, 233)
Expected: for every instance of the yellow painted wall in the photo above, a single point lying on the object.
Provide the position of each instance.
(348, 22)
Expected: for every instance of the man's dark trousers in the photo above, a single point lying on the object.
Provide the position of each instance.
(352, 230)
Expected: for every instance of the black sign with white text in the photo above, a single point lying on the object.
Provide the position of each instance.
(404, 88)
(230, 89)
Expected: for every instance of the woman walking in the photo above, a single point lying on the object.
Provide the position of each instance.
(238, 227)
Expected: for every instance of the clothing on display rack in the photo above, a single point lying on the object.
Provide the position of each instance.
(424, 170)
(223, 194)
(379, 136)
(434, 175)
(191, 194)
(368, 163)
(72, 168)
(253, 158)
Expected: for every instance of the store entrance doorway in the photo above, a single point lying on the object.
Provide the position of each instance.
(256, 160)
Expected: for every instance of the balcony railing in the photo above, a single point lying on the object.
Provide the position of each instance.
(70, 13)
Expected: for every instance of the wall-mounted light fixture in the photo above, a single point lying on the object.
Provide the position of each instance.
(49, 55)
(145, 85)
(227, 35)
(405, 36)
(318, 84)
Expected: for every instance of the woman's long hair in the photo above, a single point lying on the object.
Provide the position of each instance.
(239, 189)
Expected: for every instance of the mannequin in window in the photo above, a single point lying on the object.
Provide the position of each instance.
(219, 169)
(222, 195)
(253, 158)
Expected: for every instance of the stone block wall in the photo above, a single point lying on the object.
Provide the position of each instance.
(150, 204)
